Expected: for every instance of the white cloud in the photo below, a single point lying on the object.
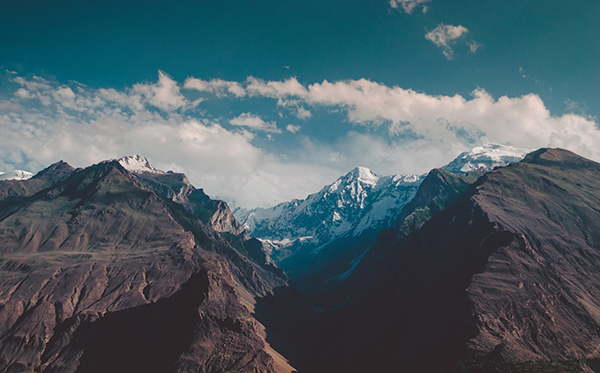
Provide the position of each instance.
(295, 106)
(165, 94)
(255, 122)
(409, 5)
(453, 120)
(302, 113)
(220, 87)
(7, 105)
(274, 89)
(474, 46)
(390, 130)
(23, 93)
(522, 73)
(445, 36)
(292, 128)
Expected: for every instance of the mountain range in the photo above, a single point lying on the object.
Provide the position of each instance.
(324, 235)
(488, 264)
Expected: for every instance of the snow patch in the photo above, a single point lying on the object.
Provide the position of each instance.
(16, 175)
(138, 164)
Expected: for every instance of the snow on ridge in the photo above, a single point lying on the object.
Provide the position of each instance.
(138, 164)
(16, 175)
(496, 151)
(486, 157)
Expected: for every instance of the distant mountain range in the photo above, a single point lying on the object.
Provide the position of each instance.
(488, 264)
(325, 234)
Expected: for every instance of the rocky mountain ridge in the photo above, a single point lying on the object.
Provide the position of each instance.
(508, 273)
(100, 272)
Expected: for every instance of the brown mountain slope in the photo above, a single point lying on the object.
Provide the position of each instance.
(510, 272)
(100, 273)
(11, 189)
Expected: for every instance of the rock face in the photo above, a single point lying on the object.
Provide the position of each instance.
(99, 272)
(438, 191)
(509, 272)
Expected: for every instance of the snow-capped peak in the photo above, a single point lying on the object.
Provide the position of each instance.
(364, 175)
(138, 164)
(486, 157)
(16, 175)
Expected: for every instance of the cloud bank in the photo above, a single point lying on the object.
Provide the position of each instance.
(389, 129)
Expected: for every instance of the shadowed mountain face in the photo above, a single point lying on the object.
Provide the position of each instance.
(509, 272)
(99, 272)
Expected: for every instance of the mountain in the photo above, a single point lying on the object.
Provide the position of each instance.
(439, 190)
(101, 271)
(14, 189)
(507, 273)
(323, 236)
(356, 201)
(316, 239)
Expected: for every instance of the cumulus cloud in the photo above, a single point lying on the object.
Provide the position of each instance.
(292, 128)
(87, 126)
(463, 122)
(409, 5)
(165, 94)
(445, 36)
(23, 93)
(254, 122)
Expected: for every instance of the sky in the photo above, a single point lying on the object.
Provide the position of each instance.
(261, 102)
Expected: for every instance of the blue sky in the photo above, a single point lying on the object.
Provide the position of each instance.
(260, 102)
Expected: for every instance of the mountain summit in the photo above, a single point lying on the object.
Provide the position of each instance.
(138, 164)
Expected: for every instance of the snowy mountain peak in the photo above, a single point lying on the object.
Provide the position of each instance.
(484, 158)
(16, 175)
(138, 164)
(363, 175)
